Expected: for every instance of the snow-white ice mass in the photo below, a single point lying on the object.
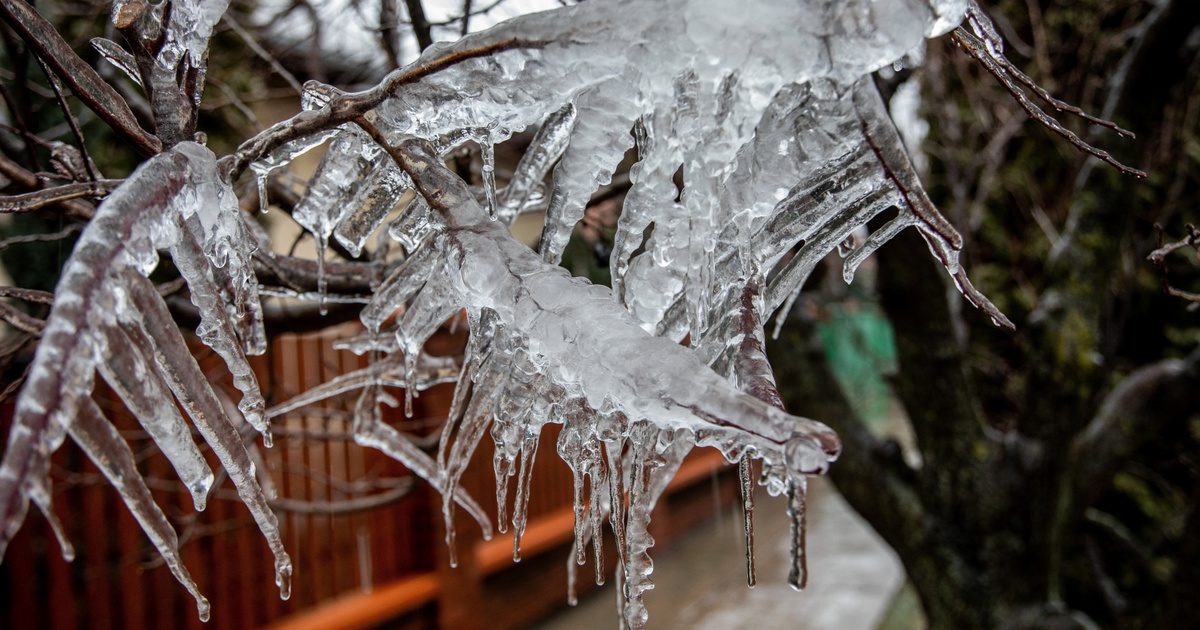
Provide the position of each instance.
(769, 112)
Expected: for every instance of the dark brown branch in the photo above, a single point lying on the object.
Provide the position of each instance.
(38, 199)
(465, 27)
(26, 179)
(299, 274)
(420, 24)
(389, 19)
(976, 49)
(1057, 103)
(20, 320)
(28, 295)
(1131, 414)
(1192, 240)
(66, 232)
(85, 83)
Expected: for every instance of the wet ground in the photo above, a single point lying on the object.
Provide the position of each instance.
(701, 581)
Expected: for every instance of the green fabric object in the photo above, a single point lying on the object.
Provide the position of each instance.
(861, 350)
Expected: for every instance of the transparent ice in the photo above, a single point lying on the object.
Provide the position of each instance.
(785, 148)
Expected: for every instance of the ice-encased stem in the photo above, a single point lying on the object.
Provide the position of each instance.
(747, 489)
(144, 393)
(370, 431)
(797, 495)
(388, 373)
(99, 440)
(152, 332)
(216, 328)
(546, 147)
(39, 492)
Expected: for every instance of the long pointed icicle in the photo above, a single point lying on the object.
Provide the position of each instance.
(372, 432)
(40, 494)
(547, 146)
(144, 393)
(100, 441)
(599, 140)
(797, 495)
(746, 486)
(152, 332)
(216, 329)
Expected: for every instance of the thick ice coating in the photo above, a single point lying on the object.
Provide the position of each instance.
(759, 145)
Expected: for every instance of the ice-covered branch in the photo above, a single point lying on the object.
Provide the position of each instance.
(107, 317)
(760, 147)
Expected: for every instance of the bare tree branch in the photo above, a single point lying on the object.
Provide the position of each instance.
(85, 83)
(38, 199)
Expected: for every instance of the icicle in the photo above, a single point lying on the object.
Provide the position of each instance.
(401, 285)
(429, 310)
(375, 200)
(596, 516)
(797, 506)
(99, 440)
(572, 576)
(216, 329)
(876, 240)
(39, 492)
(521, 502)
(415, 225)
(488, 172)
(371, 432)
(152, 332)
(747, 488)
(570, 450)
(599, 140)
(824, 240)
(264, 203)
(144, 393)
(322, 281)
(471, 429)
(547, 146)
(616, 497)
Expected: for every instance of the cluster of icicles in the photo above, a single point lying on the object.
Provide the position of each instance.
(786, 151)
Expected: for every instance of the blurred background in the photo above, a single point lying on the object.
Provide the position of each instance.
(1044, 478)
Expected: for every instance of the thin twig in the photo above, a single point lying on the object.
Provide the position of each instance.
(1191, 240)
(1059, 104)
(85, 83)
(20, 320)
(262, 53)
(28, 295)
(72, 122)
(976, 49)
(38, 199)
(420, 24)
(26, 179)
